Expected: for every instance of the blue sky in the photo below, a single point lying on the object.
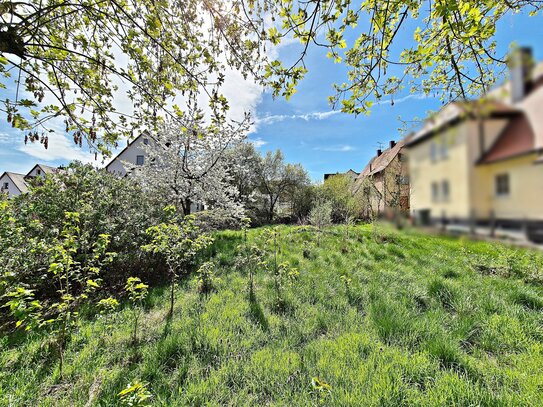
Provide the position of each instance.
(305, 128)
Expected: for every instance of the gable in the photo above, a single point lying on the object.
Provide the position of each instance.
(15, 180)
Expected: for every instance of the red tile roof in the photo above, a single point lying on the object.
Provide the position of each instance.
(516, 139)
(378, 164)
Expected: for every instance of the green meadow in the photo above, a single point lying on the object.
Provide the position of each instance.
(373, 317)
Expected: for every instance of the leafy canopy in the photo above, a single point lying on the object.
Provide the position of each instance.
(73, 60)
(446, 47)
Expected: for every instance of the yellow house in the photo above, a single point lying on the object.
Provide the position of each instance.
(481, 162)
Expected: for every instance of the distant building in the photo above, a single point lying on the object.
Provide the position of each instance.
(14, 184)
(481, 162)
(351, 173)
(384, 183)
(134, 153)
(41, 170)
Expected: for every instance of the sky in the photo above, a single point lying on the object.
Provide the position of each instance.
(305, 128)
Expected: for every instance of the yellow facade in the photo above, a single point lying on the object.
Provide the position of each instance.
(525, 198)
(427, 169)
(446, 161)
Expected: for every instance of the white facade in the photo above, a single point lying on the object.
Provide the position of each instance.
(12, 184)
(41, 170)
(15, 184)
(133, 153)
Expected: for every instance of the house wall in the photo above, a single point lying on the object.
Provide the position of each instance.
(34, 172)
(377, 197)
(525, 199)
(454, 169)
(12, 188)
(396, 194)
(479, 202)
(532, 106)
(465, 146)
(128, 155)
(385, 193)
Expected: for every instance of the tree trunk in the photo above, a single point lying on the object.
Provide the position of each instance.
(270, 211)
(172, 297)
(186, 207)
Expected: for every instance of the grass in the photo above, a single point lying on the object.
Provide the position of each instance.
(385, 318)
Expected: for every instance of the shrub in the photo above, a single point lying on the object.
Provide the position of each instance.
(178, 241)
(206, 277)
(106, 204)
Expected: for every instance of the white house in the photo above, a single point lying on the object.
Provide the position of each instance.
(41, 170)
(13, 184)
(133, 153)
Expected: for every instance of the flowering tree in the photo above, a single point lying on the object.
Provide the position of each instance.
(186, 164)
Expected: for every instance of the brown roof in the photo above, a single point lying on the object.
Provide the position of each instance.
(378, 164)
(516, 139)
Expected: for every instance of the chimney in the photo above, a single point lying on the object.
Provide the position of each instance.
(520, 72)
(392, 143)
(379, 152)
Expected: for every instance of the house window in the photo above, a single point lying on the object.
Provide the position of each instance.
(38, 172)
(6, 185)
(444, 148)
(139, 160)
(403, 180)
(435, 191)
(433, 152)
(146, 141)
(445, 190)
(502, 184)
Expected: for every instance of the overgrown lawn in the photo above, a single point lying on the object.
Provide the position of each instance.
(378, 318)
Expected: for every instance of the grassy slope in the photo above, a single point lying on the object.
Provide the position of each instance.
(419, 325)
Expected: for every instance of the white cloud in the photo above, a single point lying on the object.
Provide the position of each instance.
(343, 148)
(60, 148)
(6, 138)
(259, 142)
(307, 116)
(270, 119)
(242, 94)
(416, 96)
